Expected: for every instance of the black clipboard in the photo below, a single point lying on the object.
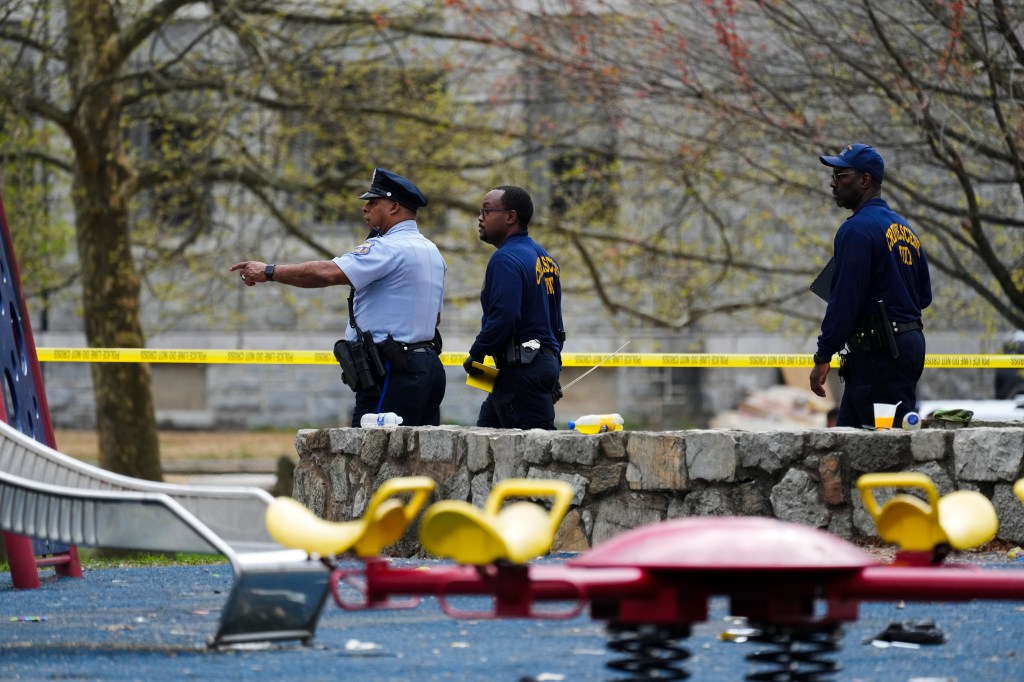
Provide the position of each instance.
(822, 284)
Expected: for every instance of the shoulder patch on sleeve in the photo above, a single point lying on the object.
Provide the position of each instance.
(363, 248)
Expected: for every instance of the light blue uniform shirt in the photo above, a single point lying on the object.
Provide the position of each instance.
(399, 283)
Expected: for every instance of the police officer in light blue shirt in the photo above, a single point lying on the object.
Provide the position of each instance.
(397, 279)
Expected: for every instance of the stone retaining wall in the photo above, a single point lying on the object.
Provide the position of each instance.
(627, 479)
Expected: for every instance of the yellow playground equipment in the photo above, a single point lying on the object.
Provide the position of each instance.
(453, 529)
(385, 520)
(961, 520)
(450, 529)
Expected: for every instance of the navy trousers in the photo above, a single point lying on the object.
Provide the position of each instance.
(873, 376)
(414, 394)
(522, 396)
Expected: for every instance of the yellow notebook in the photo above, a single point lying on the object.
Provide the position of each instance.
(485, 381)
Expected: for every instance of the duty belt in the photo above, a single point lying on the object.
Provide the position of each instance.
(869, 337)
(413, 347)
(514, 354)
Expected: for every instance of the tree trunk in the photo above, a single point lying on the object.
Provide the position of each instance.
(103, 178)
(125, 417)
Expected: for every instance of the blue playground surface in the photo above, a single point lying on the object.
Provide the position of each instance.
(153, 623)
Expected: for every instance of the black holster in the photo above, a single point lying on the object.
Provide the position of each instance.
(361, 366)
(394, 352)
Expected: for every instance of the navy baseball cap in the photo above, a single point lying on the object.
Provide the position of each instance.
(388, 185)
(862, 157)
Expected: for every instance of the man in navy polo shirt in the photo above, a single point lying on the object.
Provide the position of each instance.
(397, 276)
(878, 258)
(521, 326)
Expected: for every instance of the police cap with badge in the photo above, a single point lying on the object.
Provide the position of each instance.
(861, 157)
(388, 185)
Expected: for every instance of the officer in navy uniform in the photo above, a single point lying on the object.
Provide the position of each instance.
(397, 279)
(521, 326)
(878, 257)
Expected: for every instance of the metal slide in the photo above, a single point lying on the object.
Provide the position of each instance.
(278, 593)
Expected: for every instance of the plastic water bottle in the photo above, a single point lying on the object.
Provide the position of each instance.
(911, 421)
(597, 423)
(377, 421)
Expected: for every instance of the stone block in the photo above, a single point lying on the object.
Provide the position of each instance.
(708, 502)
(455, 488)
(478, 450)
(361, 489)
(871, 451)
(863, 523)
(537, 448)
(1010, 512)
(347, 441)
(830, 470)
(616, 516)
(841, 524)
(826, 439)
(374, 446)
(385, 472)
(578, 483)
(440, 445)
(988, 454)
(943, 483)
(770, 451)
(711, 456)
(751, 500)
(613, 444)
(311, 488)
(402, 443)
(338, 474)
(604, 478)
(480, 488)
(930, 445)
(571, 536)
(656, 462)
(312, 442)
(574, 448)
(796, 498)
(507, 449)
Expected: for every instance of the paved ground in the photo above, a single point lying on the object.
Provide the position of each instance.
(152, 623)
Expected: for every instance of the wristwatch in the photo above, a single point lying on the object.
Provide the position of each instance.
(268, 272)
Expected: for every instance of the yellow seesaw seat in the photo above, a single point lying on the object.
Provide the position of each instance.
(386, 518)
(962, 519)
(520, 531)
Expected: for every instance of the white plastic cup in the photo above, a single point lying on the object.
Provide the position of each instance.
(885, 413)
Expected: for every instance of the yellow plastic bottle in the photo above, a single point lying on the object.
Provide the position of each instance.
(597, 423)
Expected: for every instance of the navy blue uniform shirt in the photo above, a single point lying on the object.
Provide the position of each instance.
(521, 298)
(877, 257)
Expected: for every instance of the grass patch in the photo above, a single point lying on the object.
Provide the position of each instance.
(93, 559)
(191, 445)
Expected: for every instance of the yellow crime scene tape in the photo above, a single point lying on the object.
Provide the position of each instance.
(311, 357)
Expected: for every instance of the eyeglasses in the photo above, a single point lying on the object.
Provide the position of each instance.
(836, 174)
(485, 211)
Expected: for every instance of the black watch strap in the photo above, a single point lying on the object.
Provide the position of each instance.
(269, 271)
